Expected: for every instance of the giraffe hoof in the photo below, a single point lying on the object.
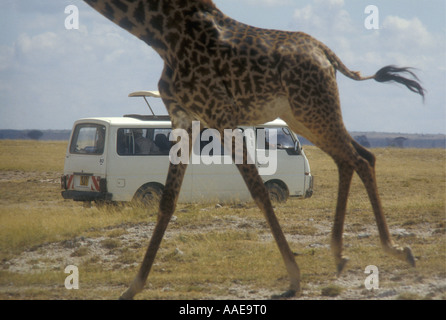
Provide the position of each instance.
(409, 256)
(287, 294)
(341, 265)
(126, 296)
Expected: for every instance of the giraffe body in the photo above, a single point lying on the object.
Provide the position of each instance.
(225, 74)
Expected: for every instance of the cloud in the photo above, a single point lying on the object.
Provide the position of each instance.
(323, 17)
(50, 76)
(68, 74)
(6, 54)
(329, 22)
(406, 39)
(403, 33)
(401, 41)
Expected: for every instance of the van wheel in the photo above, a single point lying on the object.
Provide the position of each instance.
(149, 196)
(277, 193)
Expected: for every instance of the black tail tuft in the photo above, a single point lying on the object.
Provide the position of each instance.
(391, 73)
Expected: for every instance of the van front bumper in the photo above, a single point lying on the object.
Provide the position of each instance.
(86, 195)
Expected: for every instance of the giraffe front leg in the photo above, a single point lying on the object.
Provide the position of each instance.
(166, 210)
(174, 180)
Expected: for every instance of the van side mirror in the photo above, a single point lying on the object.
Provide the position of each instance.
(297, 146)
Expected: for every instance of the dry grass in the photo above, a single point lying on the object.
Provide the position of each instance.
(29, 155)
(225, 252)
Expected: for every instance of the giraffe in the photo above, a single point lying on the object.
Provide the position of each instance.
(225, 74)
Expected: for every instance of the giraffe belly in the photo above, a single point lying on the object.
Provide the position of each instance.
(261, 112)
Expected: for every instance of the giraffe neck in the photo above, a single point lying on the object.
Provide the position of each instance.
(162, 24)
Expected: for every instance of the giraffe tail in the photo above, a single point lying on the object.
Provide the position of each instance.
(392, 73)
(385, 74)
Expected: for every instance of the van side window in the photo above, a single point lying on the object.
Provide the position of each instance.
(88, 139)
(141, 141)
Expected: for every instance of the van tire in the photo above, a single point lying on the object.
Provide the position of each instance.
(149, 196)
(278, 192)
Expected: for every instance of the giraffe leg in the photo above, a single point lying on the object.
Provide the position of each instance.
(167, 205)
(166, 209)
(365, 168)
(304, 118)
(345, 177)
(261, 197)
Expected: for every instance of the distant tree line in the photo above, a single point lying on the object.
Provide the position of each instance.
(35, 134)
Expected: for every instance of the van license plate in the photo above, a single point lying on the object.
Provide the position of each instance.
(84, 181)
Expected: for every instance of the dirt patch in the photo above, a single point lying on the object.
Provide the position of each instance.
(106, 252)
(121, 248)
(33, 176)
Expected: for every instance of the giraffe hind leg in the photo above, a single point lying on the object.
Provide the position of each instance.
(365, 168)
(345, 177)
(261, 197)
(363, 162)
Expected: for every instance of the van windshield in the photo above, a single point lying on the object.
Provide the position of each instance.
(88, 139)
(284, 138)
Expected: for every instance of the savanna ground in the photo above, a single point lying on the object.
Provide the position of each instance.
(219, 252)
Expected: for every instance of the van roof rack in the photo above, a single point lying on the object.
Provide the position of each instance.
(144, 94)
(154, 94)
(148, 117)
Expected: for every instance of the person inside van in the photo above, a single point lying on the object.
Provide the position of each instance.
(144, 145)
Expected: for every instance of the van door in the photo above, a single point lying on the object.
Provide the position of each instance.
(85, 163)
(214, 178)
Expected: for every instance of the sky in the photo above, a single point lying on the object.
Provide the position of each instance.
(51, 76)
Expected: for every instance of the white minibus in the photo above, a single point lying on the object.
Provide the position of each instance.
(123, 159)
